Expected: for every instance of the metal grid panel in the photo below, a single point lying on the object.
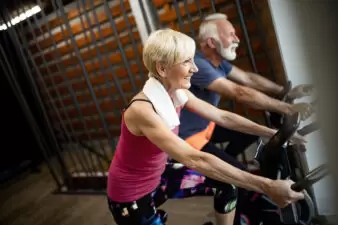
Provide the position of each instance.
(83, 61)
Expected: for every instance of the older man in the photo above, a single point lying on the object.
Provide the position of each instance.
(217, 77)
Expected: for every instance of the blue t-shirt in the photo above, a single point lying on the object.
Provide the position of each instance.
(192, 123)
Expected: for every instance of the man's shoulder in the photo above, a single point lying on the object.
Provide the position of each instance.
(201, 60)
(226, 66)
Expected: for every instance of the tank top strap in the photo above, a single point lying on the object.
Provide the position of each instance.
(139, 99)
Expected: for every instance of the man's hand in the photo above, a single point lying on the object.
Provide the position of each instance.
(297, 139)
(300, 91)
(280, 192)
(305, 110)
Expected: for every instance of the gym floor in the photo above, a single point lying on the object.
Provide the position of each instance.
(30, 201)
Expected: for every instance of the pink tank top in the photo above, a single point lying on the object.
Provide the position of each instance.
(136, 168)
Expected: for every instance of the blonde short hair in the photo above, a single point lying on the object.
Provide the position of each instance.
(166, 46)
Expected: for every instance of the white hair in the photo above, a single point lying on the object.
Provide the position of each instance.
(208, 28)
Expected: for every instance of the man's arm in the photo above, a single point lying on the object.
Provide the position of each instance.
(231, 120)
(225, 118)
(255, 81)
(249, 96)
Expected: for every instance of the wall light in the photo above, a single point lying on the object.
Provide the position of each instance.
(28, 13)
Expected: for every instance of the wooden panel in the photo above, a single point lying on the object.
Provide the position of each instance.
(77, 28)
(264, 16)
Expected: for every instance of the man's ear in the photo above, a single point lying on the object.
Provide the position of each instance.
(160, 68)
(211, 43)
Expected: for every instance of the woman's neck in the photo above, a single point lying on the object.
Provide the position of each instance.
(171, 91)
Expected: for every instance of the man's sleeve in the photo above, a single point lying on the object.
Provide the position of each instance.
(206, 74)
(226, 66)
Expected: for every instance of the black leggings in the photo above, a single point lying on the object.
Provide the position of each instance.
(238, 141)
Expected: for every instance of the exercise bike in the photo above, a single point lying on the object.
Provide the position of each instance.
(277, 159)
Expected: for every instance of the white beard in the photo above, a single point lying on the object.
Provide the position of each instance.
(228, 53)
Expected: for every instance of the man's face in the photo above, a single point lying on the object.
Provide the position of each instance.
(229, 42)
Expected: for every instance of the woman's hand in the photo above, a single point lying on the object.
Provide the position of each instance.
(280, 192)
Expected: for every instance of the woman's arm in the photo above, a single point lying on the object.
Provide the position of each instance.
(146, 122)
(226, 119)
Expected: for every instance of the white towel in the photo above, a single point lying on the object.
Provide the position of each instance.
(165, 107)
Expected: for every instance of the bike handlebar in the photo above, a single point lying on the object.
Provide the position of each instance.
(311, 178)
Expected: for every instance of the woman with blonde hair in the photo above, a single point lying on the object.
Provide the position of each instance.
(149, 135)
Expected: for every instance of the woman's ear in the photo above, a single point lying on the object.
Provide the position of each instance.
(161, 70)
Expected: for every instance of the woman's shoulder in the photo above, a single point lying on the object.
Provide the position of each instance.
(138, 103)
(139, 108)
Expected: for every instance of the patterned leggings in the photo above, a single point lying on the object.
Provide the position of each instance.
(177, 181)
(141, 212)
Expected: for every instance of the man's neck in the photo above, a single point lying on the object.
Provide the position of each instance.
(215, 59)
